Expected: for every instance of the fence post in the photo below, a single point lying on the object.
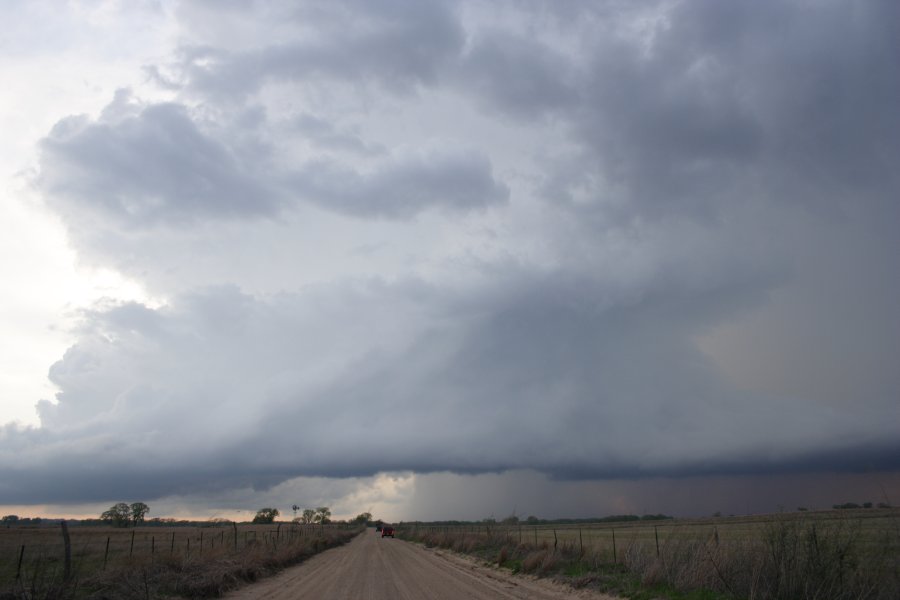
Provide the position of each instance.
(131, 549)
(235, 535)
(67, 564)
(535, 535)
(580, 542)
(615, 560)
(555, 540)
(19, 567)
(656, 533)
(188, 553)
(106, 553)
(201, 543)
(152, 546)
(172, 546)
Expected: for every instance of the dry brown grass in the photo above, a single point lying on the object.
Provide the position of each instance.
(840, 555)
(168, 572)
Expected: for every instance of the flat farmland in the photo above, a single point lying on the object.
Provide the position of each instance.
(34, 554)
(878, 529)
(841, 554)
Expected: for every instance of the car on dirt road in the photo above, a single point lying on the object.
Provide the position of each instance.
(387, 531)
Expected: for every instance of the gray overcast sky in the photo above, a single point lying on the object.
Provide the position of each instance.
(385, 253)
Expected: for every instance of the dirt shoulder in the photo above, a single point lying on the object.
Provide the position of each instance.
(381, 569)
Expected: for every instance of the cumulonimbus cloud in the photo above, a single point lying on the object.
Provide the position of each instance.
(221, 390)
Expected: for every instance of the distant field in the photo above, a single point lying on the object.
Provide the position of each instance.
(878, 529)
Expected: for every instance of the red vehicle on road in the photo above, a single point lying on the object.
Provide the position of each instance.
(387, 531)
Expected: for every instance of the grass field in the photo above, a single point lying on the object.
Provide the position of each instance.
(826, 555)
(32, 559)
(870, 525)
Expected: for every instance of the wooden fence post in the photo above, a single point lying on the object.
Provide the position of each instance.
(19, 566)
(615, 560)
(235, 535)
(131, 549)
(172, 546)
(201, 543)
(67, 544)
(106, 553)
(656, 533)
(580, 542)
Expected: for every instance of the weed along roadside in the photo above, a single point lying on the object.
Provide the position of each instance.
(153, 562)
(829, 555)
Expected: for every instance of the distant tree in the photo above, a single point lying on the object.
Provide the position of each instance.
(138, 511)
(323, 515)
(266, 515)
(883, 505)
(118, 515)
(867, 505)
(511, 520)
(309, 515)
(532, 520)
(295, 508)
(362, 518)
(802, 509)
(9, 520)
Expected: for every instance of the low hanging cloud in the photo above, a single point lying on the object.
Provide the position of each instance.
(223, 390)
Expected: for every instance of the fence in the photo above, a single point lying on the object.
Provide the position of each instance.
(652, 536)
(31, 553)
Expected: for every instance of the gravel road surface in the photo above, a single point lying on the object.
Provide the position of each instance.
(372, 568)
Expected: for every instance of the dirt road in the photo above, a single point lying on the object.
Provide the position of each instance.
(373, 568)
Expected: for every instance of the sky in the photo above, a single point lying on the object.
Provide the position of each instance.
(449, 259)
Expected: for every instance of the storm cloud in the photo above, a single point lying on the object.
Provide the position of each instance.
(586, 242)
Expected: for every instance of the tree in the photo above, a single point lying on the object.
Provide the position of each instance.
(138, 511)
(309, 515)
(363, 518)
(266, 515)
(10, 520)
(323, 515)
(118, 515)
(295, 508)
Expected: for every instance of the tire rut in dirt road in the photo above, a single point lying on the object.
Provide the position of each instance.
(372, 568)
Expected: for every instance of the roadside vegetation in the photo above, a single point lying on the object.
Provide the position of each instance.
(193, 560)
(835, 555)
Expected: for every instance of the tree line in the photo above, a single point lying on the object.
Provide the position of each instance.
(122, 514)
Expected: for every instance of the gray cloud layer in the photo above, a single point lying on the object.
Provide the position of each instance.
(605, 240)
